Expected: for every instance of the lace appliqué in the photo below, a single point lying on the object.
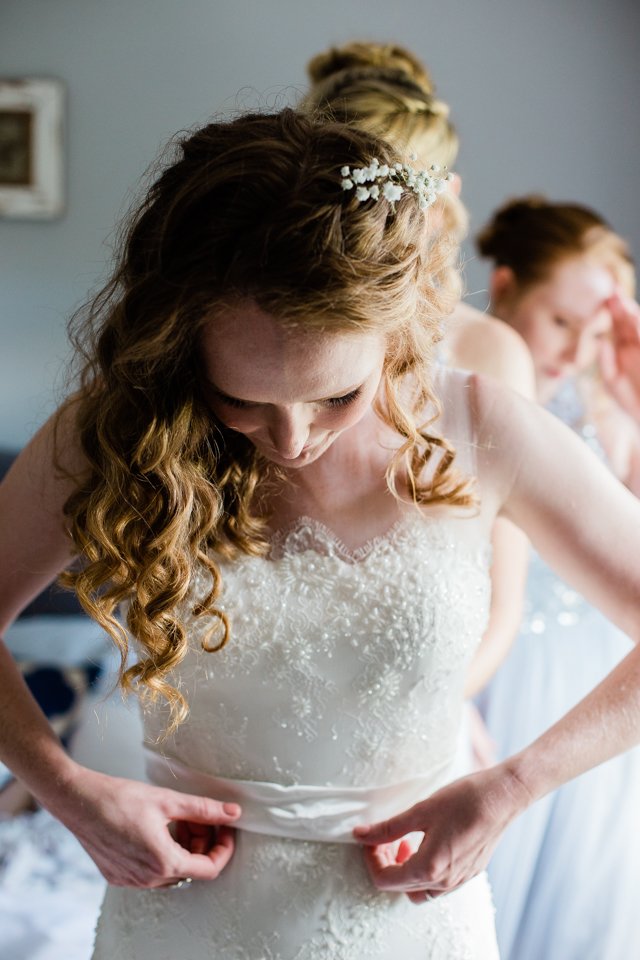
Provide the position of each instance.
(306, 535)
(343, 668)
(361, 651)
(308, 901)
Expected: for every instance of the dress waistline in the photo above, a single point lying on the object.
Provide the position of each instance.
(298, 811)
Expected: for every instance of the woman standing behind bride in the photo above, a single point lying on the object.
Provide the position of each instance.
(565, 874)
(386, 90)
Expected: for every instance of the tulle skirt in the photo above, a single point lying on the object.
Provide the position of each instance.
(566, 875)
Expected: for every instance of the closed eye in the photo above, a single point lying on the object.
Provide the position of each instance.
(234, 402)
(344, 400)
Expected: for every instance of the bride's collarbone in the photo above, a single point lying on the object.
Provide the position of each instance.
(350, 497)
(352, 519)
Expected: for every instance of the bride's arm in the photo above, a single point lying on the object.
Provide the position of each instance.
(587, 526)
(103, 811)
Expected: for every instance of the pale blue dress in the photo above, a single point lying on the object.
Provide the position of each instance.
(566, 875)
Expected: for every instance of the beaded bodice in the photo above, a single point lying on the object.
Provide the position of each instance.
(343, 668)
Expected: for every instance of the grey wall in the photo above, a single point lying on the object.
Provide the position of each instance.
(545, 95)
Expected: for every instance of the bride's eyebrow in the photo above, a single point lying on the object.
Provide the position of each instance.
(332, 396)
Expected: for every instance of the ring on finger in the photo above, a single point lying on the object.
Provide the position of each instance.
(179, 884)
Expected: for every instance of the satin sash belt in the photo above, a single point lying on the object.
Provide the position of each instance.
(298, 812)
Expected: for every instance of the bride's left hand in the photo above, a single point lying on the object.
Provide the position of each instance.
(461, 824)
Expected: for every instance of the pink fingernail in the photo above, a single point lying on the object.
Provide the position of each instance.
(362, 830)
(231, 809)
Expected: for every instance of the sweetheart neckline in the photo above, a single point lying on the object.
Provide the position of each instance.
(305, 531)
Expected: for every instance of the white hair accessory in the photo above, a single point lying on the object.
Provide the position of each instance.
(379, 179)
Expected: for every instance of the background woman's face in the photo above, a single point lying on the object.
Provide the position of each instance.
(290, 392)
(564, 320)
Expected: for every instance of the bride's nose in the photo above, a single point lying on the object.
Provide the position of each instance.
(289, 431)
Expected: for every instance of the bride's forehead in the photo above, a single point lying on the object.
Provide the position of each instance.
(245, 335)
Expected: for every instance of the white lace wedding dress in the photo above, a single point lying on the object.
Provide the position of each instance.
(336, 702)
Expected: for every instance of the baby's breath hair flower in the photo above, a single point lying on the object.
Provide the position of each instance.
(379, 180)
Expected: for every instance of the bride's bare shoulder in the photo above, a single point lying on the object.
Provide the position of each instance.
(480, 342)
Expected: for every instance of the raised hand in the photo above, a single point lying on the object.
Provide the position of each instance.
(620, 357)
(461, 824)
(125, 826)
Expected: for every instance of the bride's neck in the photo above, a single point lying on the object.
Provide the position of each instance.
(347, 479)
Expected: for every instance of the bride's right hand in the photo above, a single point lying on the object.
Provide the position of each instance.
(124, 827)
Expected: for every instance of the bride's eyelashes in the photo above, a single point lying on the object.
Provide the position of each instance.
(342, 401)
(345, 400)
(233, 401)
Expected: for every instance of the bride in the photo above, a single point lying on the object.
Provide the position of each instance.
(261, 466)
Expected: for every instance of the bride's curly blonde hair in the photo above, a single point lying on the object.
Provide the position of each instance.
(251, 208)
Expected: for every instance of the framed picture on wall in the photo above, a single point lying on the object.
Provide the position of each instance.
(31, 148)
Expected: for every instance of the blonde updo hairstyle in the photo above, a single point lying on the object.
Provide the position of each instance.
(251, 208)
(385, 90)
(532, 235)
